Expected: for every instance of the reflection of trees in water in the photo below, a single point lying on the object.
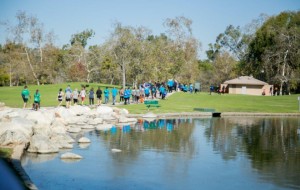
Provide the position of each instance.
(171, 135)
(272, 145)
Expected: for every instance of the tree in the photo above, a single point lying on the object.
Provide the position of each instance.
(82, 37)
(184, 49)
(29, 34)
(121, 46)
(84, 62)
(275, 49)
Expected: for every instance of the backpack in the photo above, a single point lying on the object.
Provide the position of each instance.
(68, 94)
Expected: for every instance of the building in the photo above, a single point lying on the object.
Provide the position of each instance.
(247, 85)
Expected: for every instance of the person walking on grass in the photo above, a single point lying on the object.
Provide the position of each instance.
(99, 96)
(114, 93)
(36, 100)
(82, 95)
(106, 95)
(60, 97)
(25, 96)
(68, 97)
(75, 96)
(91, 96)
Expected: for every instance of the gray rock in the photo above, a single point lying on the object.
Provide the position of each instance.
(74, 129)
(70, 155)
(104, 110)
(42, 144)
(84, 140)
(124, 119)
(87, 127)
(95, 121)
(104, 127)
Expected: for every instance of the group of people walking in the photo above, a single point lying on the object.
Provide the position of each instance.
(127, 95)
(79, 97)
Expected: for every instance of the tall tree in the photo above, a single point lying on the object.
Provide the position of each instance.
(121, 45)
(275, 48)
(29, 34)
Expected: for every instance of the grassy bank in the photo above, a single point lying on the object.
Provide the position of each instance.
(178, 102)
(186, 102)
(11, 96)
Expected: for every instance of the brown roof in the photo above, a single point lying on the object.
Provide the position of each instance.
(245, 80)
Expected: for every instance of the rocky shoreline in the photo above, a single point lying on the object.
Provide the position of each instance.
(50, 129)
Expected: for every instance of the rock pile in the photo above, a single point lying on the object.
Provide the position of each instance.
(50, 129)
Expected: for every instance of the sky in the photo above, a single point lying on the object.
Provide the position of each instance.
(210, 17)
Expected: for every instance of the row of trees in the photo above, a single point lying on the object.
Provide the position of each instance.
(268, 49)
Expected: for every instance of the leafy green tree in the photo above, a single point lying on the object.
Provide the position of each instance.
(82, 37)
(275, 49)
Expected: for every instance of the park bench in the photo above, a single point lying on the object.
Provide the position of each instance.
(151, 103)
(213, 111)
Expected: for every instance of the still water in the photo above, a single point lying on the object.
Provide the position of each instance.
(202, 153)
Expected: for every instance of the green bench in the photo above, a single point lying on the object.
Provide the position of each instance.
(151, 103)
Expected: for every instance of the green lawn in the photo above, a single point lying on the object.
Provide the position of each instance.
(11, 96)
(186, 102)
(178, 102)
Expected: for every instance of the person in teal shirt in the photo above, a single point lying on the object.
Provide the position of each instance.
(114, 93)
(37, 99)
(25, 95)
(106, 95)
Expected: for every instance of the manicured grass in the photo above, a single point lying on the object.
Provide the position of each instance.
(186, 102)
(178, 102)
(11, 96)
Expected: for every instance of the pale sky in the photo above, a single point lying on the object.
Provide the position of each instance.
(210, 17)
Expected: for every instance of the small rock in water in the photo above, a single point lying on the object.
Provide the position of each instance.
(84, 140)
(116, 150)
(70, 155)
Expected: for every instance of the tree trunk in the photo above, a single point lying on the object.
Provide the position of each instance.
(10, 73)
(283, 71)
(31, 67)
(123, 74)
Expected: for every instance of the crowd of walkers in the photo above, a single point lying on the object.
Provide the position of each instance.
(127, 95)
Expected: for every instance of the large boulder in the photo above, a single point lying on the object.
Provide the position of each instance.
(74, 129)
(58, 126)
(76, 120)
(79, 110)
(41, 117)
(62, 112)
(104, 110)
(104, 127)
(43, 130)
(15, 131)
(42, 144)
(95, 121)
(62, 141)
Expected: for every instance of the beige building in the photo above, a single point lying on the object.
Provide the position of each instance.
(247, 85)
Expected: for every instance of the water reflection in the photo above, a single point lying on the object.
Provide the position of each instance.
(155, 135)
(272, 145)
(186, 153)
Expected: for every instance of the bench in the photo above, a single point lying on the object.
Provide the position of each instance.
(151, 103)
(213, 111)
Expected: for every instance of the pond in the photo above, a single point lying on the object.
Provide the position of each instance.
(187, 153)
